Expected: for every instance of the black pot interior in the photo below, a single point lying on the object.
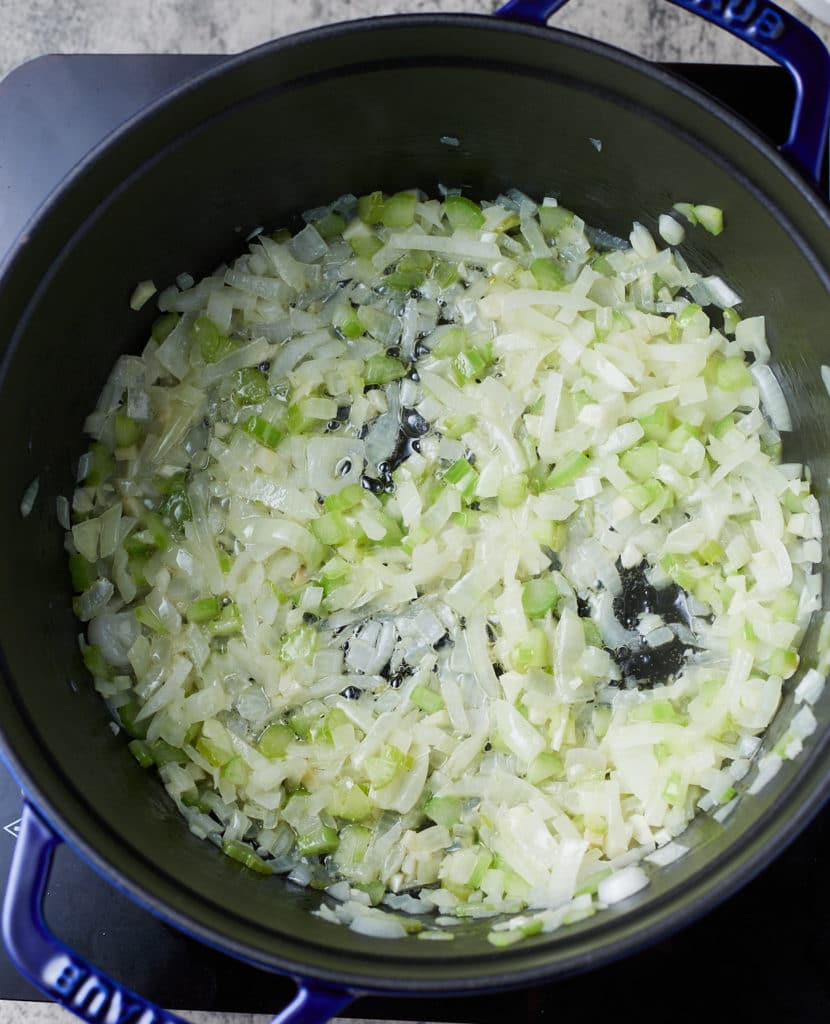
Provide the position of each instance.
(286, 128)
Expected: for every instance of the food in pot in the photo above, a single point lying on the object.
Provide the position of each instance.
(441, 555)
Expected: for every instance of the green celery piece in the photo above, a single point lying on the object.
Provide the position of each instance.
(164, 753)
(370, 208)
(417, 259)
(350, 801)
(443, 810)
(593, 637)
(450, 343)
(250, 386)
(298, 645)
(709, 217)
(141, 752)
(783, 662)
(213, 346)
(205, 609)
(658, 424)
(539, 596)
(147, 617)
(546, 765)
(331, 528)
(245, 855)
(445, 273)
(657, 711)
(296, 421)
(427, 700)
(127, 715)
(101, 464)
(365, 246)
(482, 866)
(399, 210)
(645, 494)
(382, 768)
(733, 374)
(532, 652)
(711, 552)
(127, 431)
(275, 740)
(268, 434)
(463, 477)
(463, 213)
(319, 840)
(457, 424)
(730, 321)
(236, 771)
(723, 426)
(335, 572)
(677, 439)
(174, 508)
(548, 273)
(281, 235)
(553, 219)
(346, 321)
(83, 573)
(469, 364)
(157, 529)
(164, 326)
(345, 499)
(513, 490)
(212, 752)
(354, 842)
(688, 314)
(228, 622)
(383, 369)
(405, 280)
(785, 605)
(330, 225)
(568, 470)
(642, 461)
(679, 569)
(601, 265)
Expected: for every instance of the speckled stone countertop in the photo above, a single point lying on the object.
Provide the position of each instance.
(651, 28)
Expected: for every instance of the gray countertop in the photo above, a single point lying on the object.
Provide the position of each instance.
(651, 28)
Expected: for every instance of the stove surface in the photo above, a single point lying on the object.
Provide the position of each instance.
(761, 955)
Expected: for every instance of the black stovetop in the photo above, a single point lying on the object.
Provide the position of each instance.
(761, 956)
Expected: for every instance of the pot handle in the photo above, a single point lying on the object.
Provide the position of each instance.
(777, 34)
(73, 983)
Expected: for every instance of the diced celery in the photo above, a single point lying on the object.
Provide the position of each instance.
(268, 434)
(374, 890)
(445, 273)
(345, 499)
(427, 700)
(547, 273)
(127, 714)
(399, 210)
(354, 842)
(783, 663)
(281, 235)
(450, 343)
(365, 246)
(245, 855)
(346, 321)
(723, 426)
(710, 217)
(785, 605)
(469, 364)
(733, 374)
(405, 280)
(236, 771)
(383, 369)
(148, 618)
(513, 490)
(274, 741)
(141, 752)
(539, 596)
(554, 219)
(679, 569)
(593, 637)
(711, 552)
(481, 867)
(463, 213)
(330, 224)
(212, 752)
(212, 345)
(158, 531)
(250, 386)
(298, 645)
(127, 431)
(457, 424)
(350, 801)
(205, 609)
(83, 573)
(656, 711)
(331, 528)
(730, 321)
(532, 652)
(642, 461)
(320, 839)
(443, 810)
(297, 422)
(228, 622)
(544, 766)
(384, 766)
(370, 208)
(463, 477)
(101, 464)
(335, 572)
(164, 326)
(658, 424)
(568, 470)
(678, 438)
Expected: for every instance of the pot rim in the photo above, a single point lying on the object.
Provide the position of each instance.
(531, 961)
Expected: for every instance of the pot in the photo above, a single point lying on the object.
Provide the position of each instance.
(254, 141)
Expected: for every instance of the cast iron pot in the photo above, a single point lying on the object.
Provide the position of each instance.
(265, 135)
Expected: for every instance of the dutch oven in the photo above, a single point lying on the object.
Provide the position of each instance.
(255, 140)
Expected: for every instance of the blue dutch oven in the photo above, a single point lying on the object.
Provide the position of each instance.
(256, 139)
